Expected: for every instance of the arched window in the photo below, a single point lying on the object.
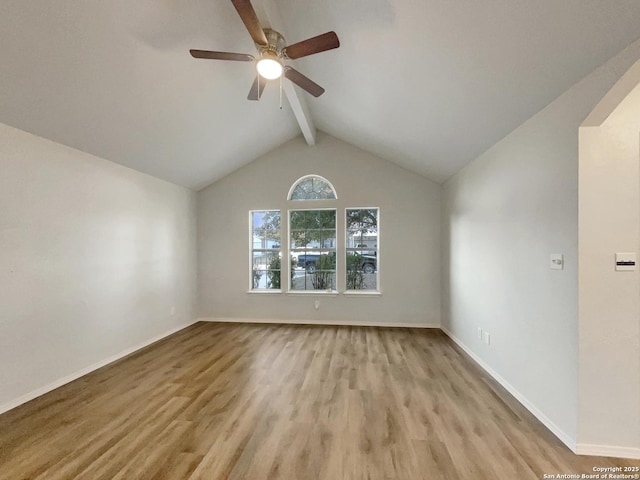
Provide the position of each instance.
(312, 187)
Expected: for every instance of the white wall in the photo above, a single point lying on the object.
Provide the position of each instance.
(609, 206)
(93, 256)
(409, 236)
(502, 216)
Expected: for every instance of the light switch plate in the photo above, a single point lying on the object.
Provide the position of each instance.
(556, 261)
(626, 262)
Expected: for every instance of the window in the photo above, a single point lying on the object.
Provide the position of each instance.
(312, 187)
(315, 258)
(361, 248)
(266, 257)
(312, 243)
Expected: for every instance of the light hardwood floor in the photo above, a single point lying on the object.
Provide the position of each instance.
(218, 401)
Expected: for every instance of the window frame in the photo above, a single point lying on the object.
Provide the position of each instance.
(290, 290)
(346, 250)
(252, 250)
(305, 177)
(341, 250)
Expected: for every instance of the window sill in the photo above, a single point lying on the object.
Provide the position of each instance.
(333, 293)
(363, 293)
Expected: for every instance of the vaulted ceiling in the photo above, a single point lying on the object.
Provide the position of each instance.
(428, 84)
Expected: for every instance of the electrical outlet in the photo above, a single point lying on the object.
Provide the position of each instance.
(556, 261)
(317, 304)
(479, 333)
(173, 310)
(487, 338)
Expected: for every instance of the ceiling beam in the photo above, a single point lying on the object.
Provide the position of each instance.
(269, 16)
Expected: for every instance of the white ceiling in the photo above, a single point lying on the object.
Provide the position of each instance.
(428, 84)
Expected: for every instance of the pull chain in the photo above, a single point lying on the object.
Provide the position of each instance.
(280, 92)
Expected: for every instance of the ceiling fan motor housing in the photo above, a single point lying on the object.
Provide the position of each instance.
(276, 43)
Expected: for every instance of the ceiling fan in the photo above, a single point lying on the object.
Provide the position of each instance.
(272, 53)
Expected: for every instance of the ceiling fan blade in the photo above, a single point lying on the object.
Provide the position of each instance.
(254, 93)
(239, 57)
(303, 82)
(321, 43)
(250, 20)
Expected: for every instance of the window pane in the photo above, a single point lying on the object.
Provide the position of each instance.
(313, 247)
(362, 249)
(265, 246)
(266, 270)
(312, 188)
(327, 238)
(266, 229)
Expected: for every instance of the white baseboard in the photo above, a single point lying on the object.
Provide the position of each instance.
(74, 376)
(318, 322)
(564, 437)
(608, 451)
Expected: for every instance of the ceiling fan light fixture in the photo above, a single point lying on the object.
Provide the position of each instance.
(273, 53)
(269, 66)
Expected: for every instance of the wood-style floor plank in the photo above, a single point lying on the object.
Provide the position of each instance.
(238, 401)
